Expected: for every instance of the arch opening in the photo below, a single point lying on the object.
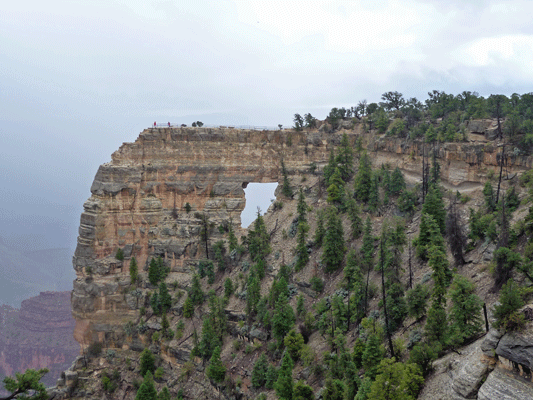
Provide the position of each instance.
(257, 195)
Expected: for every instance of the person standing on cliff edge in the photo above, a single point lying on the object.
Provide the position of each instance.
(154, 124)
(169, 124)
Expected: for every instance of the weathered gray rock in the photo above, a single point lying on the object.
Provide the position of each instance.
(156, 326)
(517, 347)
(501, 385)
(470, 377)
(490, 342)
(258, 334)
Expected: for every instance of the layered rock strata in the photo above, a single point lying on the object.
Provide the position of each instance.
(39, 335)
(151, 198)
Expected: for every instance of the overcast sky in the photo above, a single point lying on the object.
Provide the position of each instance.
(78, 78)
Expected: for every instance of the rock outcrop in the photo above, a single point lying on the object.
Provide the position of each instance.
(39, 335)
(150, 200)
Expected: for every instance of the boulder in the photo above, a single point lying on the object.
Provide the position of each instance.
(501, 385)
(470, 377)
(490, 342)
(259, 334)
(517, 347)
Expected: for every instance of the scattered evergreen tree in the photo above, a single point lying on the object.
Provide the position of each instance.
(147, 363)
(506, 313)
(253, 294)
(196, 294)
(157, 270)
(259, 240)
(134, 271)
(155, 303)
(147, 389)
(164, 298)
(302, 391)
(434, 206)
(120, 254)
(286, 185)
(397, 183)
(216, 370)
(271, 377)
(436, 329)
(373, 195)
(330, 168)
(300, 306)
(417, 301)
(259, 373)
(356, 224)
(301, 246)
(164, 394)
(333, 241)
(488, 193)
(363, 179)
(283, 318)
(320, 231)
(209, 340)
(423, 355)
(205, 230)
(188, 308)
(506, 261)
(219, 249)
(396, 380)
(336, 189)
(26, 385)
(232, 239)
(465, 314)
(334, 389)
(372, 355)
(293, 343)
(228, 288)
(455, 234)
(285, 385)
(344, 159)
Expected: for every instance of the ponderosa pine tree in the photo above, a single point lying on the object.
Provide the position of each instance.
(196, 294)
(396, 380)
(372, 355)
(363, 179)
(283, 318)
(373, 195)
(286, 186)
(164, 394)
(336, 189)
(134, 271)
(434, 206)
(259, 373)
(329, 169)
(164, 298)
(344, 158)
(259, 240)
(147, 363)
(397, 183)
(188, 308)
(216, 370)
(465, 314)
(285, 385)
(301, 242)
(147, 389)
(320, 231)
(356, 224)
(506, 314)
(417, 301)
(333, 241)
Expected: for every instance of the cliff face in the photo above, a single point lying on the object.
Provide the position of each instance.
(39, 335)
(139, 200)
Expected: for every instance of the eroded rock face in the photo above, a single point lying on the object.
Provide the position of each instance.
(501, 385)
(140, 199)
(39, 335)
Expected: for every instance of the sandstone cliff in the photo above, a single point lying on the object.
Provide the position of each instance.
(139, 204)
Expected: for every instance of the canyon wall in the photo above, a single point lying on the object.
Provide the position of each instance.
(139, 201)
(38, 335)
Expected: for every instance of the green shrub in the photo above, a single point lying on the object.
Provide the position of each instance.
(317, 284)
(94, 349)
(120, 254)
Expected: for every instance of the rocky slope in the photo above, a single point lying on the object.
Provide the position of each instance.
(38, 335)
(139, 203)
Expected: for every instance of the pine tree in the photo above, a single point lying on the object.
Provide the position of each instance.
(356, 224)
(372, 355)
(164, 394)
(363, 179)
(396, 380)
(271, 377)
(510, 302)
(253, 294)
(345, 159)
(301, 246)
(336, 188)
(373, 195)
(147, 363)
(196, 294)
(333, 241)
(154, 274)
(367, 250)
(147, 389)
(329, 169)
(320, 231)
(259, 373)
(436, 329)
(465, 314)
(283, 318)
(285, 385)
(455, 234)
(417, 301)
(134, 271)
(216, 370)
(488, 193)
(434, 206)
(259, 240)
(164, 297)
(286, 186)
(188, 308)
(397, 183)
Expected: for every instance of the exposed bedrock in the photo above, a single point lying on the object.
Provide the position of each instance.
(140, 199)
